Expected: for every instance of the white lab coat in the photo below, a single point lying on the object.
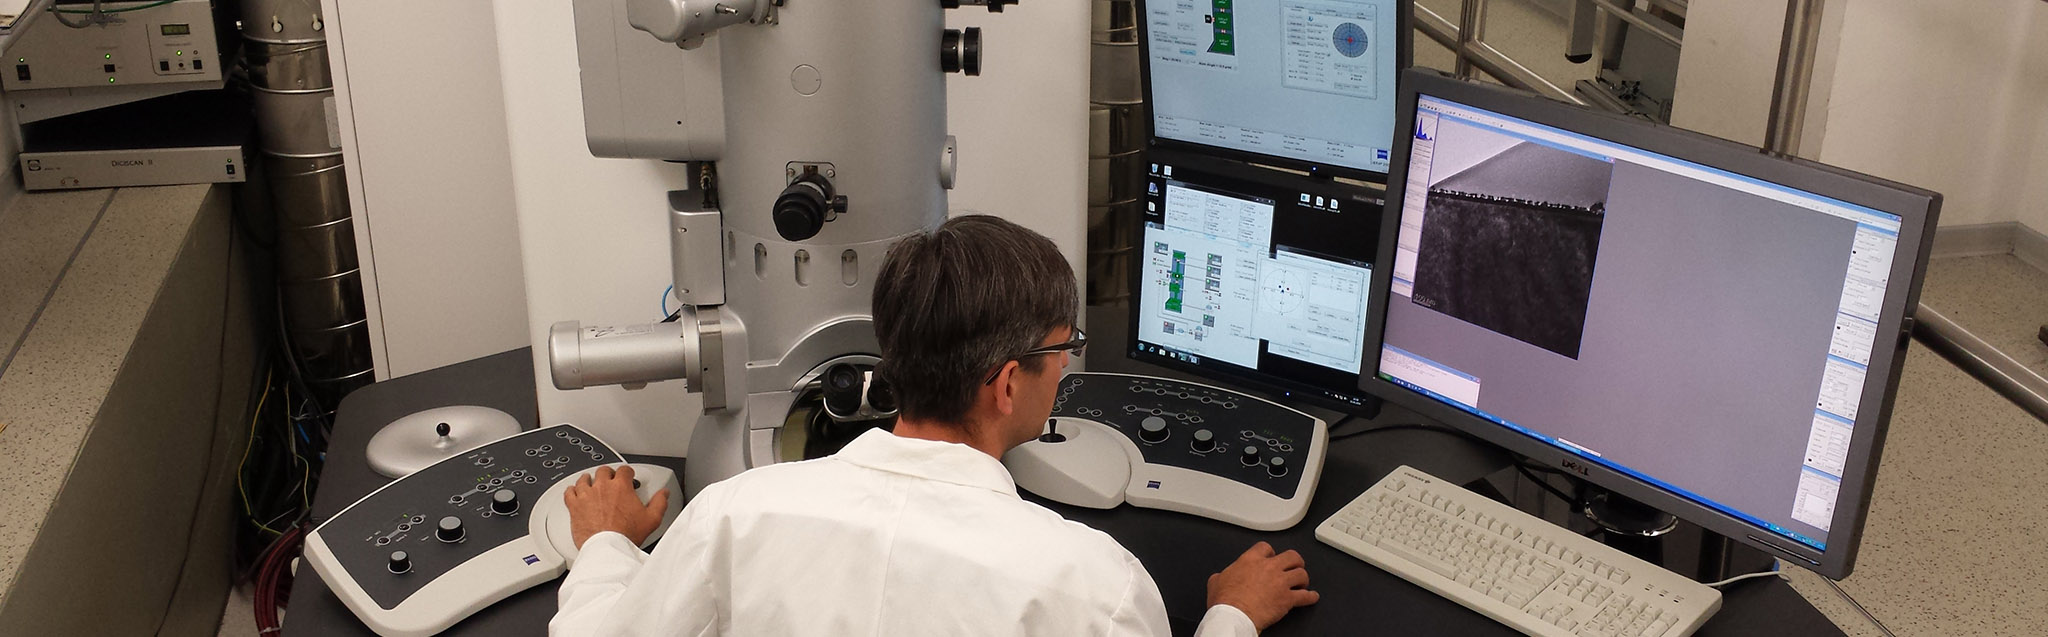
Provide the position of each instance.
(891, 536)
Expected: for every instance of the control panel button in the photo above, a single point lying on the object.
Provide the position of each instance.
(1276, 467)
(1205, 441)
(1249, 456)
(1152, 429)
(450, 529)
(504, 502)
(400, 562)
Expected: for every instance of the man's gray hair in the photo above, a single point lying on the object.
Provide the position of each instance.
(952, 304)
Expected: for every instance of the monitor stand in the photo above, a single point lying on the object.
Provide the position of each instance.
(1631, 526)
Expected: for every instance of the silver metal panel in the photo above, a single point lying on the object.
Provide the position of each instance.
(696, 252)
(643, 98)
(139, 167)
(283, 21)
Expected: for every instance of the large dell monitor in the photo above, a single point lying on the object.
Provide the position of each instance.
(1305, 84)
(1680, 320)
(1256, 277)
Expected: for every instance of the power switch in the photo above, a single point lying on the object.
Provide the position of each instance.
(21, 72)
(163, 66)
(107, 67)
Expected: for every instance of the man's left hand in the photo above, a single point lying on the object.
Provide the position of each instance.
(604, 500)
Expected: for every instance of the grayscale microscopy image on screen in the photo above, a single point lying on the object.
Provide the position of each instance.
(1508, 244)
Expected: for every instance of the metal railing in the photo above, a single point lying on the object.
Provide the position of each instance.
(1464, 39)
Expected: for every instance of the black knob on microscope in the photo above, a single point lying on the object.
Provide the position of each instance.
(804, 207)
(449, 530)
(960, 51)
(1250, 455)
(1276, 467)
(504, 502)
(1152, 429)
(1205, 441)
(400, 562)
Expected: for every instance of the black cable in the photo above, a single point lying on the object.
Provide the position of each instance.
(1570, 500)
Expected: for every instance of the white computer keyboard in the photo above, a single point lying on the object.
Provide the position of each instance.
(1531, 575)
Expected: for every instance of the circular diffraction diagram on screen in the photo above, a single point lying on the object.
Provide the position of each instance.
(1350, 39)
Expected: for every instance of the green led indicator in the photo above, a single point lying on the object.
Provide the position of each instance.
(110, 56)
(110, 80)
(179, 52)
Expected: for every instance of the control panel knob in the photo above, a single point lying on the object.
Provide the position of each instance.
(504, 502)
(449, 530)
(1276, 467)
(400, 562)
(1250, 455)
(1205, 441)
(1153, 429)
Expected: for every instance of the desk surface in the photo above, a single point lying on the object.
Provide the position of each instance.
(1179, 550)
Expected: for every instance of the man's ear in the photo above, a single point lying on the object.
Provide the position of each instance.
(1006, 388)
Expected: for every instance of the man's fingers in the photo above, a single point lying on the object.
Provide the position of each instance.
(1289, 560)
(1259, 550)
(659, 504)
(603, 473)
(1297, 578)
(583, 481)
(1303, 597)
(625, 472)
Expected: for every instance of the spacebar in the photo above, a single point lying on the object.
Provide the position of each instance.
(1420, 559)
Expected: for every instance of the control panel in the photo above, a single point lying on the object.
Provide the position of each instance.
(1188, 447)
(141, 43)
(429, 549)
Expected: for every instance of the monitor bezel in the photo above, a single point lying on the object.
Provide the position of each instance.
(1404, 57)
(1918, 209)
(1275, 385)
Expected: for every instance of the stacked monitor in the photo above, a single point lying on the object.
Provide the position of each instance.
(1253, 262)
(1680, 320)
(1302, 84)
(1684, 321)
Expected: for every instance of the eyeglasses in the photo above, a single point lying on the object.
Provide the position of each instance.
(1078, 345)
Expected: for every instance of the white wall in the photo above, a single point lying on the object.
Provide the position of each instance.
(1728, 66)
(592, 229)
(1948, 96)
(423, 128)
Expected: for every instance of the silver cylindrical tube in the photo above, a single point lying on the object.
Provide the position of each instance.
(580, 356)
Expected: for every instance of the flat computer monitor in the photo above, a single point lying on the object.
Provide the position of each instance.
(1255, 276)
(1306, 84)
(1681, 320)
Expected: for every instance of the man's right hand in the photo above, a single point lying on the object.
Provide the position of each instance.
(604, 500)
(1263, 585)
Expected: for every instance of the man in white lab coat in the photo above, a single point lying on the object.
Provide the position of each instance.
(919, 532)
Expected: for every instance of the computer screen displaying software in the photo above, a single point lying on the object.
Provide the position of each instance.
(1257, 275)
(1700, 330)
(1309, 80)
